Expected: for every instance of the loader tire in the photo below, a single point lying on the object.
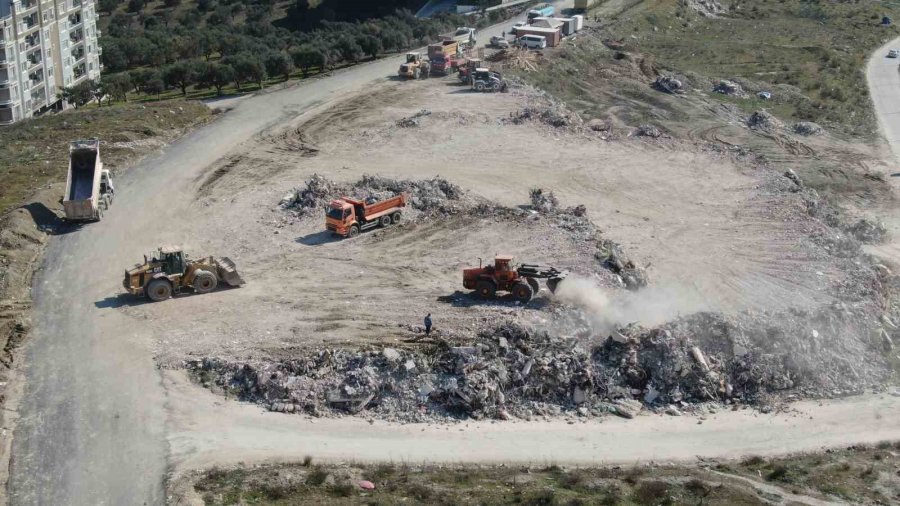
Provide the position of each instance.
(354, 231)
(486, 289)
(535, 287)
(416, 73)
(385, 221)
(205, 282)
(159, 290)
(479, 86)
(522, 292)
(99, 213)
(396, 217)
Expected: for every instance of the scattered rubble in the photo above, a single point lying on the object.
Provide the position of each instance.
(762, 120)
(554, 116)
(648, 131)
(868, 231)
(807, 128)
(706, 8)
(729, 88)
(611, 256)
(798, 184)
(414, 120)
(668, 84)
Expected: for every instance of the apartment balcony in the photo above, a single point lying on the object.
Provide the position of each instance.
(6, 97)
(31, 23)
(76, 37)
(27, 6)
(75, 20)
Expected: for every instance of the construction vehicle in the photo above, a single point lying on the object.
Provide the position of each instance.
(347, 217)
(169, 271)
(444, 56)
(89, 188)
(468, 68)
(520, 281)
(485, 80)
(415, 67)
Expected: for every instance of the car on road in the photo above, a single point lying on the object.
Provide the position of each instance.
(893, 53)
(499, 42)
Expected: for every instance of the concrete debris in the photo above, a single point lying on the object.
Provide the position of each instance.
(554, 116)
(543, 201)
(414, 120)
(648, 131)
(798, 184)
(807, 128)
(868, 231)
(627, 408)
(611, 256)
(599, 125)
(762, 120)
(668, 84)
(706, 8)
(729, 88)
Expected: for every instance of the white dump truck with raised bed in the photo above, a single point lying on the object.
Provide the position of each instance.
(89, 188)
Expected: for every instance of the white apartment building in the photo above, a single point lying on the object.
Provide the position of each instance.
(44, 46)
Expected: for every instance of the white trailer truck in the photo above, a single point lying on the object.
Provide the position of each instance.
(89, 188)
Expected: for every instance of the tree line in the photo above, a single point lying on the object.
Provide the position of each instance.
(224, 42)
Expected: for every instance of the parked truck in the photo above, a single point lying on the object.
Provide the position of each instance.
(89, 188)
(444, 56)
(347, 217)
(543, 11)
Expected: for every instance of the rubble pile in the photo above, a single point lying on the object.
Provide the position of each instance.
(867, 231)
(762, 120)
(556, 117)
(648, 131)
(543, 201)
(517, 371)
(414, 120)
(706, 8)
(862, 230)
(807, 128)
(729, 88)
(668, 84)
(314, 195)
(611, 257)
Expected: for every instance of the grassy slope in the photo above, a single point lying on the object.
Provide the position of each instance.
(862, 475)
(819, 47)
(35, 152)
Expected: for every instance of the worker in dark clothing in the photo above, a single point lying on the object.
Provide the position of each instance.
(428, 324)
(503, 34)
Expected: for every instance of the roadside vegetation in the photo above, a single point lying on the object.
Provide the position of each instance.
(857, 475)
(202, 48)
(34, 153)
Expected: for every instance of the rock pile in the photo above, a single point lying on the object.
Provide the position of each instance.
(611, 257)
(807, 128)
(729, 88)
(762, 120)
(517, 371)
(648, 131)
(668, 84)
(556, 117)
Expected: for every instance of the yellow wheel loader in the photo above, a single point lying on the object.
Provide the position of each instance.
(169, 271)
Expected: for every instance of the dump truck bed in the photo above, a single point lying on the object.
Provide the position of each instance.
(81, 200)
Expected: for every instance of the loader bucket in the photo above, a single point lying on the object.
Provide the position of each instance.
(553, 284)
(227, 272)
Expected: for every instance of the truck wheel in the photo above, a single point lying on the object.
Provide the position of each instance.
(522, 292)
(396, 217)
(99, 213)
(486, 289)
(159, 290)
(205, 282)
(535, 287)
(354, 231)
(385, 221)
(495, 86)
(416, 74)
(479, 86)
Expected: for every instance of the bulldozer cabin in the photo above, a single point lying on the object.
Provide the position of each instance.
(169, 270)
(521, 281)
(347, 217)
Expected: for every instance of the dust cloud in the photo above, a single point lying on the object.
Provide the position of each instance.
(606, 310)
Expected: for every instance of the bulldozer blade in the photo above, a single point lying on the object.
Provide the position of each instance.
(228, 273)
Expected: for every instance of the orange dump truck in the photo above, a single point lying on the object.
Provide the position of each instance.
(348, 217)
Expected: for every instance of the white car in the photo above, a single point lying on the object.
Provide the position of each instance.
(893, 53)
(499, 42)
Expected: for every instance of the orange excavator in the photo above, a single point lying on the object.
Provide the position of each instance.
(521, 281)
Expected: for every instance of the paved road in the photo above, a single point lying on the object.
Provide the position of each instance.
(92, 426)
(883, 74)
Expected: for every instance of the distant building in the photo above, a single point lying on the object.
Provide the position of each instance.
(45, 45)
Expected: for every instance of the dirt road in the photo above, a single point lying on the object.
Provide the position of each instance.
(100, 425)
(92, 425)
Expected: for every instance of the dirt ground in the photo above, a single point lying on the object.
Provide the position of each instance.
(713, 232)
